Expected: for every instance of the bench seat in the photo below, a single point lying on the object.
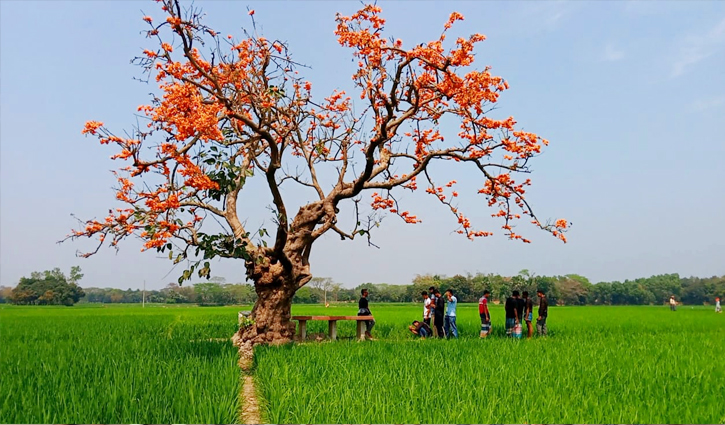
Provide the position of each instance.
(332, 327)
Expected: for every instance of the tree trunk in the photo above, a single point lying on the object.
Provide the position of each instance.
(271, 314)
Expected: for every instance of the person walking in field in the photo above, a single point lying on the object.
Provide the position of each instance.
(511, 313)
(450, 319)
(673, 303)
(485, 314)
(438, 313)
(543, 313)
(528, 314)
(718, 309)
(427, 311)
(364, 310)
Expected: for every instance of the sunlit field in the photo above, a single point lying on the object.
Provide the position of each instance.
(125, 364)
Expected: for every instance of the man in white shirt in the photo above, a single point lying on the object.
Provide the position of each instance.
(427, 310)
(673, 303)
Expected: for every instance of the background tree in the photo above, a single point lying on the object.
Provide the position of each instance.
(50, 287)
(240, 110)
(322, 284)
(5, 294)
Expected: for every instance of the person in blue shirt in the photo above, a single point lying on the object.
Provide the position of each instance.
(450, 319)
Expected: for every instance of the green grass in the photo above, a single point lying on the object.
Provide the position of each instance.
(125, 364)
(121, 364)
(598, 365)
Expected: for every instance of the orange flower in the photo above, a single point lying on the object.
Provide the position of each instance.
(148, 19)
(91, 127)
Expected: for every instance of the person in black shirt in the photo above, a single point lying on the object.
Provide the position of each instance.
(420, 329)
(514, 313)
(511, 313)
(432, 296)
(543, 313)
(528, 313)
(438, 313)
(364, 310)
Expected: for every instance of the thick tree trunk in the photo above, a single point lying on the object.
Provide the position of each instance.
(276, 279)
(271, 314)
(272, 324)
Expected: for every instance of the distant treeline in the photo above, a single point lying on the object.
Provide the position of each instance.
(562, 290)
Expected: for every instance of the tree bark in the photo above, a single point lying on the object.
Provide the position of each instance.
(271, 314)
(277, 277)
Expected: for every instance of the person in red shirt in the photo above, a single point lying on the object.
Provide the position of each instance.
(485, 314)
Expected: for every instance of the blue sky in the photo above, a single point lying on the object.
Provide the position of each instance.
(630, 94)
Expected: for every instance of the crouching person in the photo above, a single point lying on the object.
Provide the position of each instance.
(420, 329)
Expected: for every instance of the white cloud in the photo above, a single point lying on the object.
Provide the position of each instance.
(705, 104)
(698, 47)
(611, 54)
(547, 15)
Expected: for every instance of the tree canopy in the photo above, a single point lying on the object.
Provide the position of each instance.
(50, 287)
(230, 109)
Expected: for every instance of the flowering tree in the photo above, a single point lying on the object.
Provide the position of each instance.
(241, 110)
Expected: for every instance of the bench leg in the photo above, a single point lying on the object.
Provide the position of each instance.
(333, 329)
(360, 334)
(303, 330)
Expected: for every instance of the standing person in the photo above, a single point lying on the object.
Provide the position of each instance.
(426, 308)
(438, 312)
(718, 309)
(543, 313)
(520, 305)
(364, 310)
(432, 296)
(673, 303)
(528, 313)
(514, 312)
(511, 316)
(485, 314)
(450, 319)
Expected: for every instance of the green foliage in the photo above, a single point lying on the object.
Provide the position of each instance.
(571, 289)
(246, 322)
(50, 287)
(206, 293)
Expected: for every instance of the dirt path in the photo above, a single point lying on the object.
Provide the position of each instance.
(250, 404)
(249, 413)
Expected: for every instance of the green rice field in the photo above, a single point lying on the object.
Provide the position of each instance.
(169, 364)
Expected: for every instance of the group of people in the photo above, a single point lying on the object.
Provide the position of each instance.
(437, 313)
(439, 317)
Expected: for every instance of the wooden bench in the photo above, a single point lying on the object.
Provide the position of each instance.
(332, 321)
